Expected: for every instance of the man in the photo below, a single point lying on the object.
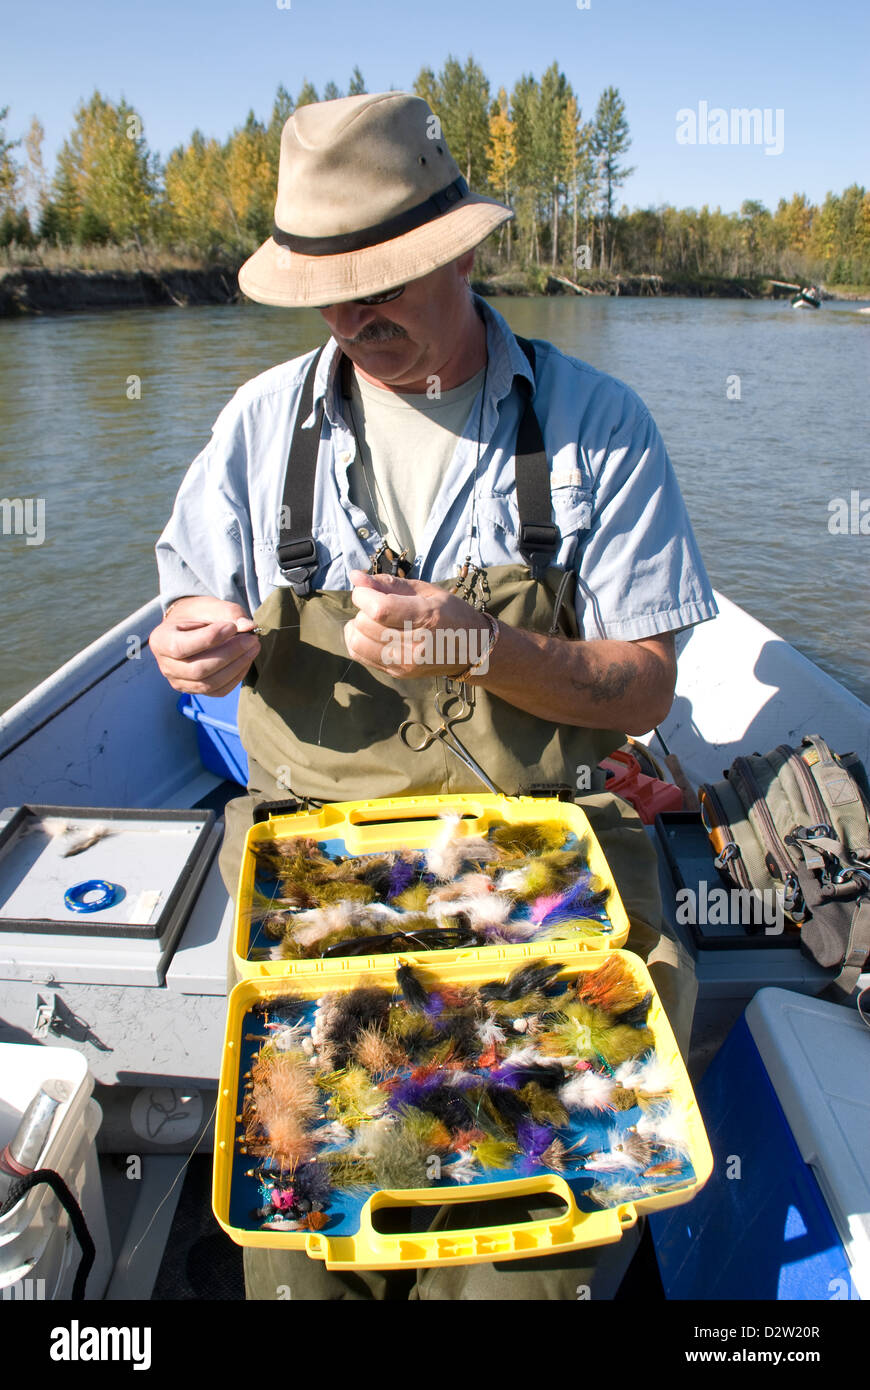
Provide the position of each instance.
(427, 500)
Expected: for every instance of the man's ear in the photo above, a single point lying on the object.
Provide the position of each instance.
(465, 264)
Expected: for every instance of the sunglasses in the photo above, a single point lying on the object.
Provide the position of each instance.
(381, 298)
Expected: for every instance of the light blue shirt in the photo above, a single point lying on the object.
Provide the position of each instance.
(616, 500)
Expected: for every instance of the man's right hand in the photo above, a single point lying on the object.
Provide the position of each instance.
(204, 646)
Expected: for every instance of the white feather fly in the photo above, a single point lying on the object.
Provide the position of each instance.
(588, 1090)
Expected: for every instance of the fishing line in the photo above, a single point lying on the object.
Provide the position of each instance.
(180, 1174)
(331, 697)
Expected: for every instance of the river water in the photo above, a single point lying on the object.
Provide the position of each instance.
(759, 472)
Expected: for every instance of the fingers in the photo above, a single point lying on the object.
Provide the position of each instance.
(394, 607)
(187, 638)
(398, 654)
(187, 641)
(203, 658)
(220, 684)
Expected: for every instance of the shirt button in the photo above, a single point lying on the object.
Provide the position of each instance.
(363, 533)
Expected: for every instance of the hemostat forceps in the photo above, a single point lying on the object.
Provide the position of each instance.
(451, 707)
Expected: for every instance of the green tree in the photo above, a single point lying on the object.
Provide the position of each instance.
(282, 110)
(502, 155)
(104, 169)
(548, 137)
(459, 96)
(578, 166)
(308, 95)
(331, 92)
(357, 85)
(525, 105)
(756, 236)
(8, 167)
(610, 141)
(426, 86)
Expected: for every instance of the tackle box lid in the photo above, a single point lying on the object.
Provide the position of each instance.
(412, 822)
(817, 1057)
(155, 860)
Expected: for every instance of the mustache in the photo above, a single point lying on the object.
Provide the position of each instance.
(379, 331)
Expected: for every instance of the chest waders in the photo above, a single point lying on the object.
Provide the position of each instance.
(317, 725)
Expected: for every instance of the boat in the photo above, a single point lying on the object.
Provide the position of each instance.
(808, 298)
(104, 731)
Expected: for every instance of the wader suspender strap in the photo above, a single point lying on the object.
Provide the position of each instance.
(296, 550)
(538, 538)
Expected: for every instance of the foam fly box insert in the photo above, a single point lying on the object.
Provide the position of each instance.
(99, 894)
(614, 1106)
(413, 827)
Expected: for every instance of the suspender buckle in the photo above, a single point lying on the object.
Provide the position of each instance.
(297, 561)
(538, 544)
(543, 539)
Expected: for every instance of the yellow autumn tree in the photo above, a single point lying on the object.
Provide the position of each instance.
(793, 222)
(250, 182)
(106, 179)
(199, 210)
(501, 153)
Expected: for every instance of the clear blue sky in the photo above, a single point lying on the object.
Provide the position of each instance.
(189, 63)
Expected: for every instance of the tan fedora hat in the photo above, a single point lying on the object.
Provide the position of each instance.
(369, 197)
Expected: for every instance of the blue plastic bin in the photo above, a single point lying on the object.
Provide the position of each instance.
(217, 734)
(763, 1227)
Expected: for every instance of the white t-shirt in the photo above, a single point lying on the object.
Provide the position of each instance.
(406, 444)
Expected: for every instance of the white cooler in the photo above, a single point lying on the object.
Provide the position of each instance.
(39, 1253)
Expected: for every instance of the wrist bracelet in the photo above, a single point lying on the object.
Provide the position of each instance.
(483, 660)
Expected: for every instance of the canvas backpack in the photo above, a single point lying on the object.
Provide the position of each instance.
(796, 823)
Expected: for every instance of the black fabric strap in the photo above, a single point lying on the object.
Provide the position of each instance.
(296, 552)
(67, 1199)
(538, 538)
(427, 211)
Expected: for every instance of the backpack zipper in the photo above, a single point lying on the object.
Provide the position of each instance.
(812, 796)
(752, 795)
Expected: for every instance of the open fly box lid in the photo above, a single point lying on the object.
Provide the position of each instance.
(98, 894)
(349, 1238)
(414, 823)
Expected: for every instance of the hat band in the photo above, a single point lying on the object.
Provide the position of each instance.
(436, 206)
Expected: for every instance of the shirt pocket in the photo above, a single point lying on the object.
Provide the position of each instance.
(499, 521)
(572, 513)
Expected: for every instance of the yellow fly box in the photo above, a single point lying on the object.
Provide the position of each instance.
(412, 825)
(641, 1149)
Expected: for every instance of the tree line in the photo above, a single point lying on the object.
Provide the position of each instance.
(530, 148)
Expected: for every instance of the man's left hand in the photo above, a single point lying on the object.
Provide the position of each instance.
(410, 629)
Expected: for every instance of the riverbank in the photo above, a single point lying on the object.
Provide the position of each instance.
(40, 290)
(31, 290)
